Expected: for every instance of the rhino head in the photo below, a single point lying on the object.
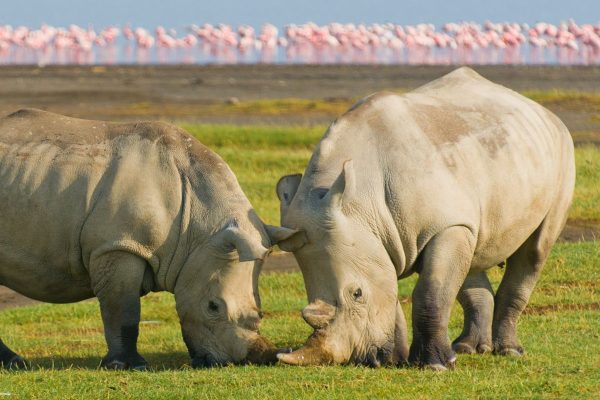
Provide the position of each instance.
(217, 298)
(350, 279)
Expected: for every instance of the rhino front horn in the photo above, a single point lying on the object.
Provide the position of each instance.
(310, 354)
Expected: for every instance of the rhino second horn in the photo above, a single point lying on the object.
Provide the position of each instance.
(318, 314)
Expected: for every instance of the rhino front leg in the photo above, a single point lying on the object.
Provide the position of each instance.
(445, 263)
(117, 278)
(476, 297)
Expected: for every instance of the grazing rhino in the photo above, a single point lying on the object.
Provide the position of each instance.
(446, 181)
(92, 208)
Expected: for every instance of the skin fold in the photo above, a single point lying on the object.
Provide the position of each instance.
(445, 181)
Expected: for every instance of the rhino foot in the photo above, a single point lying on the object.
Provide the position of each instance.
(431, 356)
(511, 351)
(467, 345)
(9, 359)
(205, 361)
(135, 362)
(441, 368)
(15, 362)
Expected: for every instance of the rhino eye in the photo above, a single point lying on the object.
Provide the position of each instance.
(357, 294)
(213, 307)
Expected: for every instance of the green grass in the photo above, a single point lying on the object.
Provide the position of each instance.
(260, 107)
(560, 330)
(586, 201)
(569, 100)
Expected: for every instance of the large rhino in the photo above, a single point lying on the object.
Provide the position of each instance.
(446, 181)
(90, 208)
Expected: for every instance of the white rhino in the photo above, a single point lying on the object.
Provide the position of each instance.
(91, 208)
(446, 181)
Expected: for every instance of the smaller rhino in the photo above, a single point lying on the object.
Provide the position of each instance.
(114, 211)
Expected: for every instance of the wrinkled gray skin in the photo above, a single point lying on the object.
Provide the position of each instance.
(90, 208)
(447, 181)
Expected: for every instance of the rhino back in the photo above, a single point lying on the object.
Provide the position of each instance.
(458, 151)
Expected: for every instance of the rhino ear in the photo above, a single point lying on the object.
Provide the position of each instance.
(247, 248)
(287, 239)
(343, 188)
(286, 190)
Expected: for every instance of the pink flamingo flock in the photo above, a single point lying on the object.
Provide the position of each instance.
(453, 43)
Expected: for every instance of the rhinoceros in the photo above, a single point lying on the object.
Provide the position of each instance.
(114, 211)
(447, 181)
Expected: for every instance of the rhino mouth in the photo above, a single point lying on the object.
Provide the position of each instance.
(200, 357)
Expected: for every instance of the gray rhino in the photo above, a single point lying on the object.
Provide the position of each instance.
(91, 208)
(446, 181)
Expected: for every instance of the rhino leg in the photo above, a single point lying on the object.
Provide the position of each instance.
(476, 297)
(9, 359)
(118, 278)
(445, 263)
(522, 272)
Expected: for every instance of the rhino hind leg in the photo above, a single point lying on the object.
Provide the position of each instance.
(445, 264)
(476, 297)
(522, 272)
(9, 359)
(118, 285)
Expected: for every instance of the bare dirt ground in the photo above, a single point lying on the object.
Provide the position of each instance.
(180, 93)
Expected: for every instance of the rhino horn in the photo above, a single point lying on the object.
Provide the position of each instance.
(318, 314)
(312, 353)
